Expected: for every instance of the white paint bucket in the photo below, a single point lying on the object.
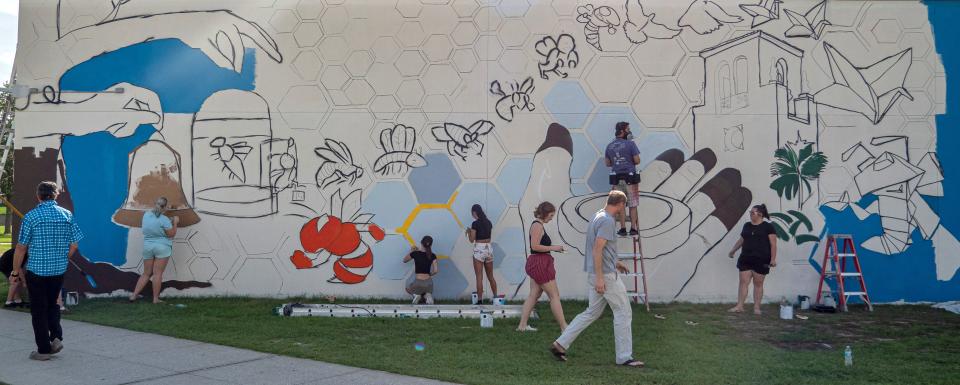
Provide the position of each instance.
(499, 301)
(786, 312)
(486, 320)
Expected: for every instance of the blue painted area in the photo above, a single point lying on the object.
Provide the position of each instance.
(601, 128)
(181, 76)
(390, 202)
(514, 177)
(388, 258)
(583, 156)
(498, 254)
(481, 193)
(435, 182)
(439, 224)
(513, 269)
(510, 242)
(580, 189)
(600, 177)
(97, 163)
(652, 144)
(449, 283)
(97, 166)
(569, 104)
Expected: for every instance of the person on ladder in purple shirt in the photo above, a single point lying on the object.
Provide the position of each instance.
(623, 156)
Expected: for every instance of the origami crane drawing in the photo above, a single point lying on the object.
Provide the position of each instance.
(870, 90)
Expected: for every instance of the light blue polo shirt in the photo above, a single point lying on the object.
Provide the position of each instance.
(154, 227)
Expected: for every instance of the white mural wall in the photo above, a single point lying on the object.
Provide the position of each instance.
(307, 144)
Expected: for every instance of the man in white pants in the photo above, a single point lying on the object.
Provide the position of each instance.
(602, 266)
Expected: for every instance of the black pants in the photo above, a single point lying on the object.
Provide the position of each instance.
(44, 309)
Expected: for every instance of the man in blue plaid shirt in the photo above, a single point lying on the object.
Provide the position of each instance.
(51, 235)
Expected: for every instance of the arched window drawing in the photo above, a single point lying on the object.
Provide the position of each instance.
(781, 72)
(741, 77)
(724, 88)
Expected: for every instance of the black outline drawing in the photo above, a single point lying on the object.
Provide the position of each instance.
(661, 22)
(596, 18)
(283, 164)
(883, 82)
(460, 139)
(517, 100)
(809, 24)
(557, 55)
(763, 12)
(399, 151)
(338, 165)
(232, 156)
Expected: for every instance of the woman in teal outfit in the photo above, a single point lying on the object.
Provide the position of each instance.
(158, 230)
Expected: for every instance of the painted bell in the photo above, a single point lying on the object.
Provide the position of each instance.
(154, 173)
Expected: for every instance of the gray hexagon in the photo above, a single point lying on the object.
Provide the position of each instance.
(410, 63)
(441, 19)
(410, 92)
(488, 47)
(612, 79)
(919, 75)
(359, 92)
(412, 117)
(307, 34)
(659, 104)
(309, 9)
(514, 61)
(918, 41)
(465, 33)
(921, 136)
(886, 31)
(200, 243)
(513, 32)
(46, 60)
(358, 63)
(284, 20)
(203, 269)
(920, 108)
(488, 19)
(303, 107)
(564, 7)
(334, 20)
(385, 107)
(385, 49)
(436, 107)
(259, 276)
(411, 34)
(658, 57)
(409, 9)
(384, 78)
(307, 64)
(465, 8)
(514, 8)
(441, 79)
(334, 48)
(437, 48)
(465, 60)
(690, 79)
(334, 77)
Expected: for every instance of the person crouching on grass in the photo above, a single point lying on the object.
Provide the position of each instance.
(425, 267)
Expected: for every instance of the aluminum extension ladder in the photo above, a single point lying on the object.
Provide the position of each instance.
(834, 266)
(638, 274)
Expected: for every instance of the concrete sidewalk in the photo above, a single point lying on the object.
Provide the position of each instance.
(96, 354)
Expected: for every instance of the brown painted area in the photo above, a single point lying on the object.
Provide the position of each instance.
(108, 279)
(734, 207)
(706, 157)
(721, 185)
(30, 170)
(151, 187)
(672, 157)
(557, 136)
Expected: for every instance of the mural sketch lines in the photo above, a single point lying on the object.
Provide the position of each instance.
(338, 165)
(662, 21)
(558, 55)
(517, 100)
(399, 152)
(232, 156)
(705, 16)
(462, 141)
(810, 24)
(596, 18)
(763, 12)
(871, 90)
(639, 25)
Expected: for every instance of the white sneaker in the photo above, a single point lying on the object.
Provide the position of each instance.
(527, 329)
(429, 298)
(416, 299)
(56, 346)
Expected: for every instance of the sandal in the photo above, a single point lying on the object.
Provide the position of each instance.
(560, 356)
(527, 328)
(633, 364)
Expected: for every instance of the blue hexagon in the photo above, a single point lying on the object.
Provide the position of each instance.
(584, 155)
(390, 203)
(481, 193)
(449, 283)
(601, 128)
(439, 224)
(568, 103)
(580, 189)
(652, 144)
(600, 177)
(510, 243)
(388, 258)
(514, 269)
(514, 177)
(498, 255)
(435, 182)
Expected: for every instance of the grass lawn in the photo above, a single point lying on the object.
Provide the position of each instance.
(892, 345)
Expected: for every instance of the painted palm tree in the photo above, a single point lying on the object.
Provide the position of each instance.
(794, 171)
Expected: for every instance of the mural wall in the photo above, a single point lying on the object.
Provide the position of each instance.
(307, 144)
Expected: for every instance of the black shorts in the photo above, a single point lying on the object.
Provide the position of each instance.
(757, 265)
(632, 178)
(6, 262)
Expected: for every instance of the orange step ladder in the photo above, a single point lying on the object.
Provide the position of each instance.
(638, 274)
(834, 266)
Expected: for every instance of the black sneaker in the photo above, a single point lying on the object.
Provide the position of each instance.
(633, 232)
(10, 305)
(622, 232)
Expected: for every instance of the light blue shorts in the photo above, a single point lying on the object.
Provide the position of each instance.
(156, 250)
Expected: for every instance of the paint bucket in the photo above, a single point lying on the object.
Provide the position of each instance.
(486, 320)
(786, 311)
(473, 298)
(499, 301)
(72, 299)
(804, 302)
(828, 300)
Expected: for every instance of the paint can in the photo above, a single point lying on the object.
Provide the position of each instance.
(804, 302)
(499, 301)
(786, 311)
(72, 298)
(486, 320)
(473, 298)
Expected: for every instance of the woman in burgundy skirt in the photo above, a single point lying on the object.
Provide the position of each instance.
(540, 269)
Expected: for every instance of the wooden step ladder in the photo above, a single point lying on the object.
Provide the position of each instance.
(638, 274)
(834, 266)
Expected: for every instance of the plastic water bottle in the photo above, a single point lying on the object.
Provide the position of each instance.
(848, 356)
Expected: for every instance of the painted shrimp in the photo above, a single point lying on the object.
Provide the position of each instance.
(398, 145)
(338, 166)
(596, 18)
(347, 242)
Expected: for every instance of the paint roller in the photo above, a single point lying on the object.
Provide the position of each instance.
(90, 280)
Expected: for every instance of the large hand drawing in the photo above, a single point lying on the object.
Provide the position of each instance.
(517, 100)
(810, 24)
(557, 55)
(399, 151)
(338, 166)
(763, 12)
(596, 18)
(462, 141)
(871, 90)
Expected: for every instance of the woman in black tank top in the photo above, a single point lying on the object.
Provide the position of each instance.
(479, 234)
(540, 269)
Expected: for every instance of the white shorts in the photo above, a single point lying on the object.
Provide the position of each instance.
(483, 252)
